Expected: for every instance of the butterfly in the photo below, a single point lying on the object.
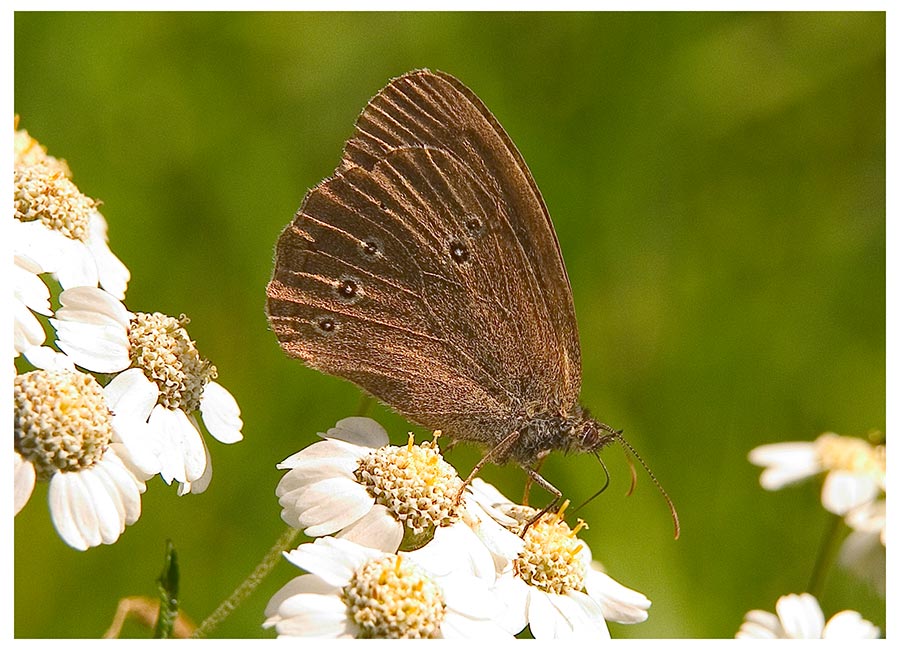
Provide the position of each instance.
(426, 270)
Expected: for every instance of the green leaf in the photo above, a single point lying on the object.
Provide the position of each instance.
(168, 594)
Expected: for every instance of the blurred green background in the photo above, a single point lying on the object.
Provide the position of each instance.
(717, 182)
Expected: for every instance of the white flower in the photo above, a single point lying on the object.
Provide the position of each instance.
(801, 617)
(356, 485)
(353, 591)
(551, 584)
(161, 373)
(66, 434)
(61, 230)
(855, 469)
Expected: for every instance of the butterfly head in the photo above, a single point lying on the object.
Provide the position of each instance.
(591, 436)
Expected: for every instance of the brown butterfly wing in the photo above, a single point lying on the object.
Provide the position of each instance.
(426, 270)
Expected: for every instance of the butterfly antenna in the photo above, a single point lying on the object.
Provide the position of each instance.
(601, 490)
(656, 482)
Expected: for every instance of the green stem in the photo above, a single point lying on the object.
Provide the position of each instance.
(285, 541)
(827, 550)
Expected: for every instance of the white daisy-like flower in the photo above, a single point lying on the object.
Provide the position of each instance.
(855, 469)
(61, 230)
(551, 584)
(65, 433)
(354, 591)
(799, 616)
(161, 372)
(356, 485)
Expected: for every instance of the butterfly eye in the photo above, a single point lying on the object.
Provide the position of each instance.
(458, 252)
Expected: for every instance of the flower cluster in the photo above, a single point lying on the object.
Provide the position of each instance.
(118, 396)
(405, 550)
(854, 488)
(799, 616)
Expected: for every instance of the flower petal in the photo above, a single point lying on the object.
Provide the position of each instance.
(131, 393)
(544, 620)
(72, 512)
(759, 624)
(77, 267)
(100, 348)
(334, 560)
(361, 431)
(312, 615)
(326, 506)
(40, 356)
(131, 397)
(27, 329)
(512, 593)
(456, 550)
(126, 485)
(305, 584)
(584, 614)
(178, 445)
(786, 462)
(107, 507)
(324, 450)
(45, 248)
(850, 625)
(199, 484)
(28, 287)
(24, 481)
(113, 274)
(843, 491)
(458, 626)
(801, 616)
(375, 529)
(94, 306)
(467, 595)
(555, 616)
(619, 603)
(312, 470)
(221, 414)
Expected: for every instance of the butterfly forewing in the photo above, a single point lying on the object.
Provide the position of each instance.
(426, 270)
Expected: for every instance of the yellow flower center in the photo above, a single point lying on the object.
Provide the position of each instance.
(44, 193)
(414, 482)
(391, 598)
(551, 559)
(61, 421)
(852, 455)
(161, 347)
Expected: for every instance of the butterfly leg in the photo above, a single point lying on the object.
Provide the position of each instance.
(499, 450)
(537, 468)
(547, 485)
